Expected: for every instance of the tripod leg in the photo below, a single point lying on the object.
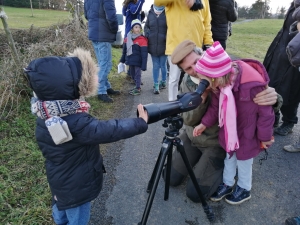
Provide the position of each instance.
(151, 181)
(166, 147)
(168, 172)
(209, 213)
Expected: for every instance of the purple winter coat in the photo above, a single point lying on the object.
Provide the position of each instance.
(254, 122)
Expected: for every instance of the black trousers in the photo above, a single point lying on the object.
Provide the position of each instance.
(289, 113)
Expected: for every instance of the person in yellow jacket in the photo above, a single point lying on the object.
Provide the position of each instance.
(186, 20)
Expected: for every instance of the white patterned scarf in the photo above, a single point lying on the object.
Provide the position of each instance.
(52, 111)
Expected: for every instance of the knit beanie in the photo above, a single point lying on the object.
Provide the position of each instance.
(215, 62)
(135, 22)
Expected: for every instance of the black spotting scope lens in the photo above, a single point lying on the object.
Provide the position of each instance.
(184, 103)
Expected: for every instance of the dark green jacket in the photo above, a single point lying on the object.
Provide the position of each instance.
(193, 118)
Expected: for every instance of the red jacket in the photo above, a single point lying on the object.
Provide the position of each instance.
(139, 54)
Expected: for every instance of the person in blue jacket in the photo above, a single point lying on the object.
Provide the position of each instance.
(102, 31)
(131, 10)
(68, 136)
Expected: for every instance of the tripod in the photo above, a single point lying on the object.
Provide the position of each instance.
(173, 125)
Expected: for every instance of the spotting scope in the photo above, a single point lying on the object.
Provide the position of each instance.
(184, 103)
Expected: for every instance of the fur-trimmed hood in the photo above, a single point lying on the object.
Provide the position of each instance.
(89, 78)
(64, 78)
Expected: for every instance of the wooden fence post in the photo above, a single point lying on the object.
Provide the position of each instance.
(11, 42)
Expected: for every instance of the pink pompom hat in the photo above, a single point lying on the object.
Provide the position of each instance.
(215, 62)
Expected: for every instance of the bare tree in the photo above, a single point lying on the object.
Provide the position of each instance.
(265, 8)
(10, 39)
(31, 8)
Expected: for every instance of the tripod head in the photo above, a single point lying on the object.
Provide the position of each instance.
(173, 125)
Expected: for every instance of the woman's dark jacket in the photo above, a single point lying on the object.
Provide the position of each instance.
(139, 54)
(222, 12)
(102, 20)
(156, 31)
(283, 76)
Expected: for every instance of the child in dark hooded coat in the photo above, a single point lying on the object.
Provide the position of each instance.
(69, 136)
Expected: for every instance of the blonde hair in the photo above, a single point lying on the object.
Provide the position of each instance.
(225, 80)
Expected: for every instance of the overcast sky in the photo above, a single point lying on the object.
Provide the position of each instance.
(274, 4)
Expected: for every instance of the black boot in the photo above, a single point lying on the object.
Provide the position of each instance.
(105, 98)
(284, 129)
(111, 91)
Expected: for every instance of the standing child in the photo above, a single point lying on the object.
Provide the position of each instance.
(135, 54)
(69, 136)
(156, 32)
(244, 125)
(132, 10)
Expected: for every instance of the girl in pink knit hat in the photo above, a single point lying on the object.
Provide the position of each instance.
(245, 128)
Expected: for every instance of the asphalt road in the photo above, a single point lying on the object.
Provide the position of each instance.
(129, 163)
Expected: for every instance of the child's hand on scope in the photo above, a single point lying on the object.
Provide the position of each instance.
(142, 112)
(198, 130)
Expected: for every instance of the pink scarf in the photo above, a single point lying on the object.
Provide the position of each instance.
(227, 117)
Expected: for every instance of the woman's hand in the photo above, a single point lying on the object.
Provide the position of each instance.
(142, 112)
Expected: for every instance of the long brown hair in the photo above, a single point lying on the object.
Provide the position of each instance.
(126, 2)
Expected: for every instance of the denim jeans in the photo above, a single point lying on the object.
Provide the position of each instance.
(104, 58)
(159, 63)
(75, 216)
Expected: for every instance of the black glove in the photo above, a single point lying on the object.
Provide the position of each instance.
(197, 5)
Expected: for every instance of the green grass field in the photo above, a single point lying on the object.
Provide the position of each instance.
(22, 17)
(25, 196)
(252, 39)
